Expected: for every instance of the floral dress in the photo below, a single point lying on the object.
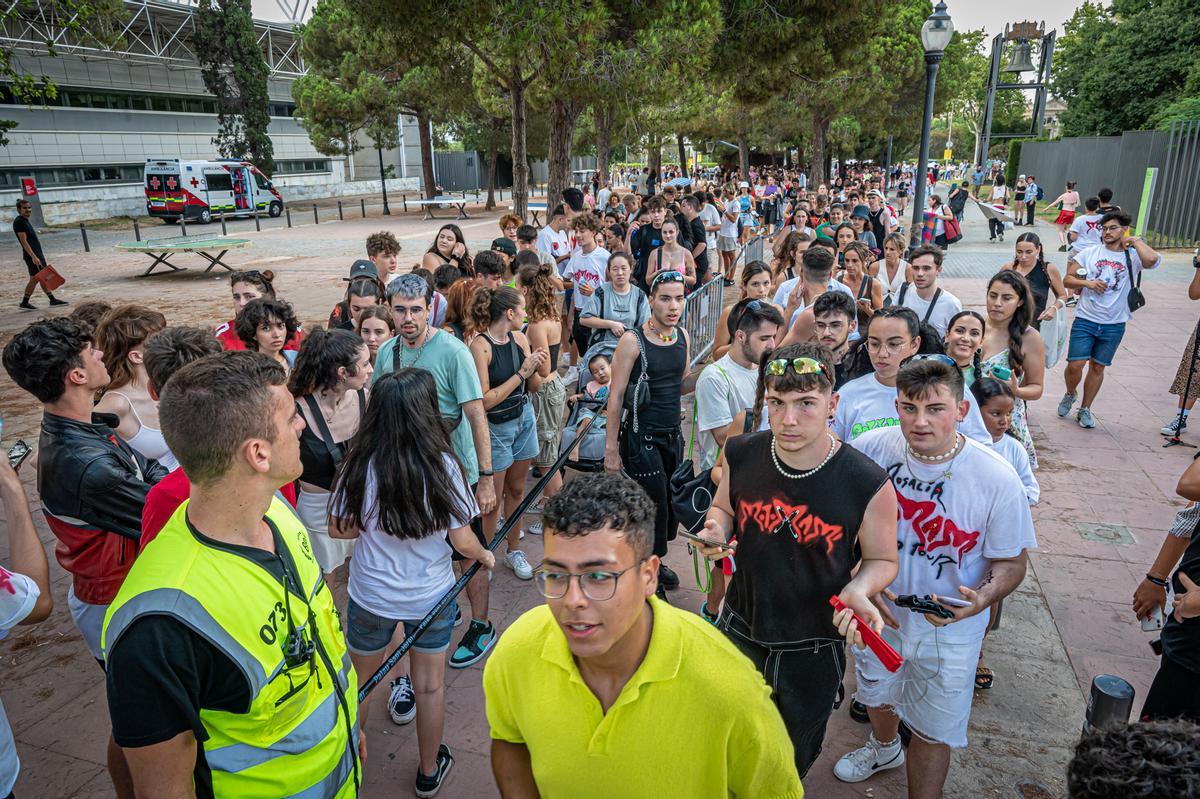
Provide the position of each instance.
(1019, 426)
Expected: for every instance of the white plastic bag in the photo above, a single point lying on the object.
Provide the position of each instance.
(1055, 333)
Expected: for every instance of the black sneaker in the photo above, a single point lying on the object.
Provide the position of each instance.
(479, 638)
(667, 578)
(858, 712)
(429, 785)
(27, 305)
(56, 302)
(1175, 426)
(402, 705)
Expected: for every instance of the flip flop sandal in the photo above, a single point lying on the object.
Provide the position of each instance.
(984, 677)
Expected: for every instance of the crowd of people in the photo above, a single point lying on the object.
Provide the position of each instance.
(863, 437)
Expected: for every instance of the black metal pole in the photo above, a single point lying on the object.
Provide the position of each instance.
(316, 219)
(223, 231)
(383, 183)
(362, 206)
(83, 231)
(887, 168)
(932, 61)
(137, 233)
(340, 217)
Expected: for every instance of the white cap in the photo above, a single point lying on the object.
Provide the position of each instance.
(743, 185)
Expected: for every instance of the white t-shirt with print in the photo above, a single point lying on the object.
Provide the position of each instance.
(950, 528)
(1087, 231)
(554, 243)
(403, 578)
(945, 309)
(710, 216)
(1108, 307)
(865, 404)
(786, 287)
(724, 390)
(18, 595)
(585, 268)
(730, 227)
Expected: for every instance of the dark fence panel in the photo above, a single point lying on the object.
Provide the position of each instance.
(1120, 163)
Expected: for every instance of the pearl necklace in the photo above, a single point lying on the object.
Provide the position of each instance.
(929, 460)
(779, 466)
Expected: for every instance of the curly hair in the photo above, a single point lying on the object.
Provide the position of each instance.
(40, 356)
(1143, 760)
(458, 305)
(321, 355)
(510, 219)
(541, 301)
(122, 330)
(603, 500)
(382, 243)
(259, 312)
(488, 305)
(172, 348)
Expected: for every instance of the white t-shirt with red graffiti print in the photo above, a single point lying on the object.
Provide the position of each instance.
(950, 527)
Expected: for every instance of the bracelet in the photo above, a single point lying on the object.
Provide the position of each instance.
(1161, 583)
(486, 473)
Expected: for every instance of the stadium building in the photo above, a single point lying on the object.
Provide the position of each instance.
(86, 150)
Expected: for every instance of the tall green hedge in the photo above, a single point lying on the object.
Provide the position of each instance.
(1014, 156)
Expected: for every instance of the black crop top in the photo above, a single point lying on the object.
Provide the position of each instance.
(319, 453)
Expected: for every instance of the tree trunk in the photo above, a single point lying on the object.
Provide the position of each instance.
(563, 116)
(743, 155)
(426, 139)
(603, 143)
(654, 161)
(520, 156)
(493, 152)
(819, 144)
(683, 167)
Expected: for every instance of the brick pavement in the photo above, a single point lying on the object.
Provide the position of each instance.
(1067, 622)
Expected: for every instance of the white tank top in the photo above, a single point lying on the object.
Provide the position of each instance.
(149, 441)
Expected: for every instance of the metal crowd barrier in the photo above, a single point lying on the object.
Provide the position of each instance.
(701, 312)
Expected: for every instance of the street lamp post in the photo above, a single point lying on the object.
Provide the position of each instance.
(935, 37)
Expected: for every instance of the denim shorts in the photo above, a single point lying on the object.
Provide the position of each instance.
(368, 634)
(1092, 341)
(514, 440)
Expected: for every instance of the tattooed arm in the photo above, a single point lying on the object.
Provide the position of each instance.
(1001, 579)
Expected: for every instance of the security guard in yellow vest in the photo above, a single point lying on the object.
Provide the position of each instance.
(227, 667)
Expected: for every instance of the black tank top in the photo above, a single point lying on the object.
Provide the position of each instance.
(1039, 282)
(319, 453)
(506, 361)
(665, 366)
(877, 226)
(785, 575)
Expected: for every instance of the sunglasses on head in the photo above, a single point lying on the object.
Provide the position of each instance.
(801, 366)
(670, 276)
(934, 356)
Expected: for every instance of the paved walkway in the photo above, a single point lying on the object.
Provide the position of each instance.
(1107, 498)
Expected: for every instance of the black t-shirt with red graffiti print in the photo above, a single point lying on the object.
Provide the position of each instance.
(785, 573)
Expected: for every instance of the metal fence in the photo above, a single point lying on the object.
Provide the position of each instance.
(701, 312)
(1120, 163)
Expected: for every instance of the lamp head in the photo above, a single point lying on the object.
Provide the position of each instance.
(937, 30)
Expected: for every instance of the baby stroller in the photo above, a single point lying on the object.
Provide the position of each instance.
(590, 455)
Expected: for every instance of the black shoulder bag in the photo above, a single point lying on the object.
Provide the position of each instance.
(1136, 298)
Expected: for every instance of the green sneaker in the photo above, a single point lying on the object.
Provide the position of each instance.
(479, 638)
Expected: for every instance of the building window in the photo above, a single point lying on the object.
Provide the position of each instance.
(74, 175)
(303, 167)
(69, 97)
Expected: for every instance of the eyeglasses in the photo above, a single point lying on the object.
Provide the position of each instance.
(1111, 228)
(801, 366)
(597, 586)
(670, 276)
(934, 356)
(879, 346)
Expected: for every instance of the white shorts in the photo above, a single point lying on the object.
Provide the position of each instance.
(933, 689)
(89, 620)
(313, 510)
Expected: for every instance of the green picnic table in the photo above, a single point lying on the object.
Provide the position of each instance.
(161, 250)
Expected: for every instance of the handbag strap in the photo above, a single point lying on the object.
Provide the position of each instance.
(643, 377)
(1129, 267)
(335, 452)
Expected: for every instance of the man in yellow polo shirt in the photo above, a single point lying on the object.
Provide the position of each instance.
(586, 693)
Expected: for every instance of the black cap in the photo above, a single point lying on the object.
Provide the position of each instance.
(573, 197)
(505, 245)
(363, 268)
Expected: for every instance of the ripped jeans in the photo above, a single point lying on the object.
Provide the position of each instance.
(805, 679)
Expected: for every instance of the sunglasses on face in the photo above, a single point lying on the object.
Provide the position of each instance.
(801, 366)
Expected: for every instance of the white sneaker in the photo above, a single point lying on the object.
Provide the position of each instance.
(868, 759)
(572, 376)
(515, 560)
(535, 528)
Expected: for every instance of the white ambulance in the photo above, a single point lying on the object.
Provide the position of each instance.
(198, 191)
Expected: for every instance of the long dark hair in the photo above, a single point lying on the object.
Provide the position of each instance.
(1031, 238)
(1021, 318)
(404, 442)
(465, 263)
(982, 323)
(321, 355)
